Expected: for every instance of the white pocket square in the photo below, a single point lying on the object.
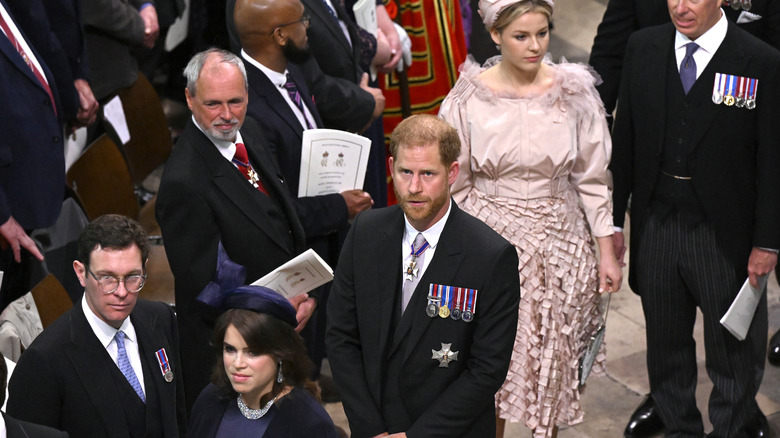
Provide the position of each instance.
(747, 17)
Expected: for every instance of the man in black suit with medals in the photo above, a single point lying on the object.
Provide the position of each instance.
(109, 367)
(697, 146)
(423, 311)
(621, 19)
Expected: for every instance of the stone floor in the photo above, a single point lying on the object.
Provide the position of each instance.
(608, 401)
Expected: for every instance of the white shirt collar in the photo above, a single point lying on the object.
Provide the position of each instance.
(104, 332)
(276, 78)
(226, 148)
(432, 234)
(710, 40)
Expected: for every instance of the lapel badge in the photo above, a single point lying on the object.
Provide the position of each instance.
(445, 355)
(165, 366)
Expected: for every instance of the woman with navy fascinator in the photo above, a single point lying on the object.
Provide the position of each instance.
(260, 386)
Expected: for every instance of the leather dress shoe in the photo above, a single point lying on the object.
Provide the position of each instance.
(760, 428)
(774, 349)
(645, 421)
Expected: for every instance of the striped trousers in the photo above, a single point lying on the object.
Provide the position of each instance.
(681, 267)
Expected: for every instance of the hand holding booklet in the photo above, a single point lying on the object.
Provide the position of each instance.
(739, 316)
(300, 275)
(332, 161)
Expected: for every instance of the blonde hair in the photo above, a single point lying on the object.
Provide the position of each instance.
(511, 13)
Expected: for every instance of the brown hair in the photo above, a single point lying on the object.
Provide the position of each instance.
(511, 13)
(264, 334)
(112, 231)
(425, 129)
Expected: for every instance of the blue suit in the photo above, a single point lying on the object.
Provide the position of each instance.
(32, 162)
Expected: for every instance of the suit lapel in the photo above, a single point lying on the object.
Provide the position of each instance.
(267, 91)
(16, 59)
(387, 272)
(656, 73)
(233, 185)
(321, 10)
(90, 361)
(151, 339)
(729, 54)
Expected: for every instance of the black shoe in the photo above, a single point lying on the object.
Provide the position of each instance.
(774, 349)
(760, 428)
(645, 421)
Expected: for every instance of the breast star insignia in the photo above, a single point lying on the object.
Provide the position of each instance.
(445, 355)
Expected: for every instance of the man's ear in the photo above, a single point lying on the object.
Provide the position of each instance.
(81, 272)
(453, 172)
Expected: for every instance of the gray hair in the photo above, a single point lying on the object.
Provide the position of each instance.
(195, 66)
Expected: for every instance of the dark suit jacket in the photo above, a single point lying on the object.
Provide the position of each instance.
(441, 402)
(297, 415)
(33, 16)
(624, 17)
(320, 215)
(62, 380)
(735, 152)
(112, 28)
(339, 99)
(202, 200)
(32, 162)
(22, 429)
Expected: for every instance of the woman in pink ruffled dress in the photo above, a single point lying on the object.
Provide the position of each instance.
(533, 165)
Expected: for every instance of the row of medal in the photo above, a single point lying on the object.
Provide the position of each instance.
(732, 90)
(449, 301)
(736, 5)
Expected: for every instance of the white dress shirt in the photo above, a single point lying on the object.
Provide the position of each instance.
(708, 43)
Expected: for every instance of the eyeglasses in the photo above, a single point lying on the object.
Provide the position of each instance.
(306, 20)
(108, 283)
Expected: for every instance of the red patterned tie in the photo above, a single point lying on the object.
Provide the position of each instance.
(27, 61)
(242, 161)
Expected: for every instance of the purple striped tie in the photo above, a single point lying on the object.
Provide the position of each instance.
(295, 96)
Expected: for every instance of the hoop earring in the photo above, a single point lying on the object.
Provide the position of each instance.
(279, 375)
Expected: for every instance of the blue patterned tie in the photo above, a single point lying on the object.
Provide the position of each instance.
(688, 67)
(295, 96)
(332, 12)
(124, 365)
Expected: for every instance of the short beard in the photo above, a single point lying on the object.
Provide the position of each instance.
(296, 54)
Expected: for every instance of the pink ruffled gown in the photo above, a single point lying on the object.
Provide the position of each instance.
(534, 168)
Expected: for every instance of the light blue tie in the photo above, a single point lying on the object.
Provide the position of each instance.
(124, 365)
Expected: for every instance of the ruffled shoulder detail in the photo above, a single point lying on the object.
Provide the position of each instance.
(573, 89)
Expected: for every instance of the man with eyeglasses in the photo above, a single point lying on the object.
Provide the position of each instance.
(274, 41)
(109, 367)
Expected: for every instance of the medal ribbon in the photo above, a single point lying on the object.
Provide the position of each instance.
(162, 359)
(753, 88)
(717, 86)
(731, 80)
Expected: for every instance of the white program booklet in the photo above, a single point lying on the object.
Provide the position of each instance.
(739, 316)
(332, 161)
(300, 275)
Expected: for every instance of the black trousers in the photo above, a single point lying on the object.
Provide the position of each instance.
(681, 267)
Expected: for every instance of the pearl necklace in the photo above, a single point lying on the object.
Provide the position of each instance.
(253, 414)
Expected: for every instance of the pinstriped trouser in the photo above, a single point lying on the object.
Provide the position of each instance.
(681, 267)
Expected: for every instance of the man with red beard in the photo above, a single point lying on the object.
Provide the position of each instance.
(422, 314)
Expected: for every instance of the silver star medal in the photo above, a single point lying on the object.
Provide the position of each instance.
(253, 178)
(445, 355)
(411, 270)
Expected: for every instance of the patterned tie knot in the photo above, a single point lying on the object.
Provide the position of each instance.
(241, 154)
(120, 339)
(419, 241)
(690, 49)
